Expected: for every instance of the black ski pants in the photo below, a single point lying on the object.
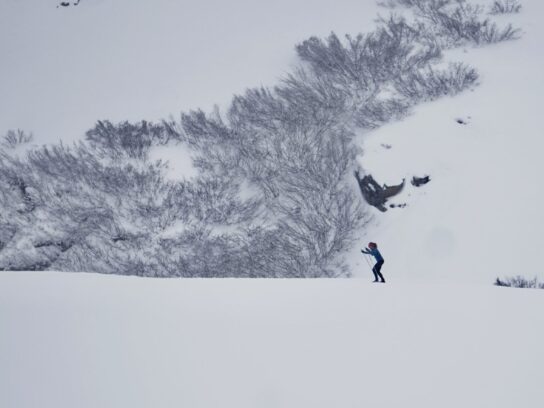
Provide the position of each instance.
(377, 268)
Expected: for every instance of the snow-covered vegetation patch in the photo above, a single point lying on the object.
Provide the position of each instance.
(454, 22)
(505, 7)
(16, 142)
(520, 282)
(107, 205)
(14, 138)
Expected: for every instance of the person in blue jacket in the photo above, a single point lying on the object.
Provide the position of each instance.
(373, 250)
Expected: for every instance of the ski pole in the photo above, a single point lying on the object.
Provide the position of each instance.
(368, 262)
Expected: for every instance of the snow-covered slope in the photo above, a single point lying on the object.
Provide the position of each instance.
(481, 215)
(65, 68)
(82, 340)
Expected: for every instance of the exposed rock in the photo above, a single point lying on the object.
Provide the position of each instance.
(418, 181)
(463, 121)
(67, 3)
(374, 194)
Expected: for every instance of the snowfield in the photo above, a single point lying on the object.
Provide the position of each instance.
(82, 340)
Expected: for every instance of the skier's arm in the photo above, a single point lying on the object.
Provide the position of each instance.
(366, 251)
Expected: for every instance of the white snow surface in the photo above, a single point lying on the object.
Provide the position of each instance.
(65, 68)
(178, 158)
(84, 340)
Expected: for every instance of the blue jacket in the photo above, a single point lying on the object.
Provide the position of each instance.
(374, 252)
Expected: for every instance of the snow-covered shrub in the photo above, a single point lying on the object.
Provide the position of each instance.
(309, 99)
(451, 23)
(296, 159)
(463, 23)
(431, 83)
(68, 208)
(377, 112)
(402, 3)
(505, 7)
(365, 62)
(16, 200)
(299, 161)
(519, 282)
(61, 198)
(127, 139)
(363, 70)
(215, 201)
(382, 74)
(317, 207)
(14, 138)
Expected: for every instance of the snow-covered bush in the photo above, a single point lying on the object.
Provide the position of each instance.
(14, 138)
(364, 63)
(69, 208)
(463, 23)
(395, 3)
(297, 161)
(377, 112)
(519, 282)
(431, 83)
(62, 198)
(127, 139)
(451, 23)
(376, 78)
(505, 7)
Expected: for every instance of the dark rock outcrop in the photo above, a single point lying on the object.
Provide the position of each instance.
(68, 4)
(418, 181)
(374, 194)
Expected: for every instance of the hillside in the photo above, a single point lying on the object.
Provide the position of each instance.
(262, 186)
(480, 216)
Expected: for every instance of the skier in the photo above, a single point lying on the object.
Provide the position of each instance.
(373, 250)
